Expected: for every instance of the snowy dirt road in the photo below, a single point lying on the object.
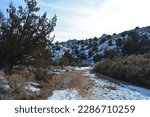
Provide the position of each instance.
(82, 84)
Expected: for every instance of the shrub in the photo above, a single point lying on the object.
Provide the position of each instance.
(97, 58)
(17, 80)
(110, 54)
(40, 74)
(133, 68)
(136, 44)
(20, 77)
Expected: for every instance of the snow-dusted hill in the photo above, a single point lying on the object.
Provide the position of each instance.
(90, 51)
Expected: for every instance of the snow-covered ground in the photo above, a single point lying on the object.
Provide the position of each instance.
(103, 90)
(32, 87)
(4, 85)
(68, 94)
(82, 68)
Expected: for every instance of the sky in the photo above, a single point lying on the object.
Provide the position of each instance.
(83, 19)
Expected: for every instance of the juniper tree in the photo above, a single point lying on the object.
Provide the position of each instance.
(24, 35)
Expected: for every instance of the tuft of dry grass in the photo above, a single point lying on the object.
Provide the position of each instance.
(17, 81)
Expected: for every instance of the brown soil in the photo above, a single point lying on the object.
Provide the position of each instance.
(47, 87)
(77, 80)
(74, 79)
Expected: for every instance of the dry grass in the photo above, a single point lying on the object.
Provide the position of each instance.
(17, 81)
(18, 78)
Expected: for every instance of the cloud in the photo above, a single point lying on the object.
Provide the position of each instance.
(72, 16)
(86, 18)
(83, 19)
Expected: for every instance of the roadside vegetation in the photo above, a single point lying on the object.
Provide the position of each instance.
(134, 69)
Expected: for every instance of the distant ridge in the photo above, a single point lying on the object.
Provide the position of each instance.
(90, 51)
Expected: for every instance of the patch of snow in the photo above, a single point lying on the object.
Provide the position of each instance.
(58, 70)
(139, 89)
(82, 68)
(1, 73)
(1, 77)
(68, 94)
(32, 86)
(104, 89)
(86, 52)
(91, 76)
(123, 93)
(6, 88)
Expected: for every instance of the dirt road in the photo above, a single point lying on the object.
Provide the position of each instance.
(83, 84)
(76, 80)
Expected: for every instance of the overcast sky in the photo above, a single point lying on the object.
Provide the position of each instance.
(81, 19)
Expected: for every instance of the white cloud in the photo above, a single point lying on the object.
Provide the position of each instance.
(88, 18)
(113, 16)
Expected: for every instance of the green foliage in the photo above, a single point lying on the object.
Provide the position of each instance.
(110, 54)
(66, 59)
(134, 69)
(102, 40)
(82, 56)
(119, 42)
(144, 45)
(136, 44)
(97, 58)
(131, 45)
(110, 42)
(90, 53)
(24, 35)
(108, 37)
(40, 74)
(94, 48)
(95, 38)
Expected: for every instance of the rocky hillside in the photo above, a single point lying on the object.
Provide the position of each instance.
(90, 51)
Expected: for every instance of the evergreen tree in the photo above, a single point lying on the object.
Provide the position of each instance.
(144, 45)
(110, 54)
(131, 45)
(110, 42)
(24, 36)
(97, 58)
(136, 44)
(66, 58)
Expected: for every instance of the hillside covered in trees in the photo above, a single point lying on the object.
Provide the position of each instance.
(90, 51)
